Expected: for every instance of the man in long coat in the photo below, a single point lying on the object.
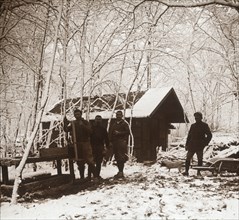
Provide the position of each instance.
(198, 137)
(99, 142)
(80, 130)
(118, 136)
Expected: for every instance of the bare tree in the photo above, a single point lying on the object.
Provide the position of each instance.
(20, 167)
(105, 45)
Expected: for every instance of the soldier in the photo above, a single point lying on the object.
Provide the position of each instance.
(118, 136)
(198, 137)
(80, 130)
(99, 142)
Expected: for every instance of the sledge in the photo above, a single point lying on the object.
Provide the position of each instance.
(220, 165)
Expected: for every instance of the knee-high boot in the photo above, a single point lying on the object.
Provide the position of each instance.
(93, 169)
(199, 164)
(98, 168)
(120, 166)
(187, 165)
(82, 171)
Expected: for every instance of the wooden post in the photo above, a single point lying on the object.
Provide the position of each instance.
(5, 174)
(58, 165)
(71, 165)
(74, 140)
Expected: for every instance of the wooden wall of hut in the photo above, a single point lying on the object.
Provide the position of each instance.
(148, 134)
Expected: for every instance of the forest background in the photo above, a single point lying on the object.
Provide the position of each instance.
(55, 50)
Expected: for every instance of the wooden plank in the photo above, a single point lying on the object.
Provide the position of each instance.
(30, 178)
(203, 168)
(5, 162)
(37, 177)
(34, 186)
(53, 152)
(46, 183)
(9, 161)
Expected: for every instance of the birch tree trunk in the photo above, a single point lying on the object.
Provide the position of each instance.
(20, 168)
(39, 80)
(188, 64)
(82, 57)
(63, 135)
(131, 136)
(117, 92)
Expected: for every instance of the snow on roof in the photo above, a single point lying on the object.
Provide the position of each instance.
(144, 107)
(149, 101)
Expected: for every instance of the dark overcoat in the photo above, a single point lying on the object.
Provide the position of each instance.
(198, 137)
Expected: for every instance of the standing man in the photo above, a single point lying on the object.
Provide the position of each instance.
(99, 142)
(198, 137)
(80, 130)
(118, 135)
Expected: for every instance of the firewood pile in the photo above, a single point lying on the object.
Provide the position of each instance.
(174, 153)
(215, 149)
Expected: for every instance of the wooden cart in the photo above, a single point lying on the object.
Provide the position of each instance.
(220, 165)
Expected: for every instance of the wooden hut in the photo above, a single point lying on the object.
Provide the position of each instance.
(151, 113)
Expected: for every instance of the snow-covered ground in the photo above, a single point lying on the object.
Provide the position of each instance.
(149, 192)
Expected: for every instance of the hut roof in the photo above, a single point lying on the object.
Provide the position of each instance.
(99, 103)
(139, 104)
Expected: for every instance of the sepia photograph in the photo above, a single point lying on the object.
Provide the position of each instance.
(119, 109)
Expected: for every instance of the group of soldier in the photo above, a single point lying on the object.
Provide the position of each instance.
(91, 142)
